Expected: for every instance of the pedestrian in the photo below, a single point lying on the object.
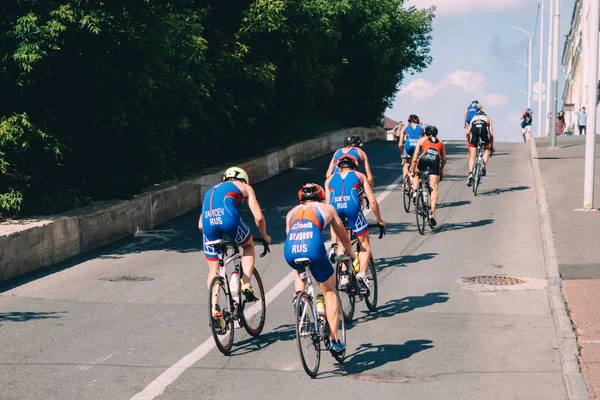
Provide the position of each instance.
(560, 123)
(582, 121)
(526, 121)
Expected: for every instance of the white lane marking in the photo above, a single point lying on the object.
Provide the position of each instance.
(158, 386)
(87, 367)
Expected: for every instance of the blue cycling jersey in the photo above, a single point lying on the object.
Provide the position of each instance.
(472, 111)
(345, 189)
(304, 240)
(352, 152)
(413, 134)
(220, 216)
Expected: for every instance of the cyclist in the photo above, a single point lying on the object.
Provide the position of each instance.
(410, 135)
(220, 216)
(433, 156)
(480, 127)
(305, 223)
(353, 147)
(471, 111)
(342, 193)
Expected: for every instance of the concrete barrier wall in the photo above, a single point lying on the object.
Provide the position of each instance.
(29, 245)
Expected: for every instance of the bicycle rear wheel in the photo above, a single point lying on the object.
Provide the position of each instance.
(253, 314)
(347, 295)
(406, 193)
(476, 178)
(222, 328)
(371, 300)
(307, 334)
(421, 213)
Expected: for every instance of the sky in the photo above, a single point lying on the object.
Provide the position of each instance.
(475, 51)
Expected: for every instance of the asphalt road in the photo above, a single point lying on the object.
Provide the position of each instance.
(68, 334)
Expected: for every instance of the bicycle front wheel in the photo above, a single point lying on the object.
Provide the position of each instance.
(307, 334)
(371, 300)
(345, 282)
(253, 314)
(421, 213)
(406, 194)
(220, 315)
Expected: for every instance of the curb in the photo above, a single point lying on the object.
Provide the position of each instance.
(567, 342)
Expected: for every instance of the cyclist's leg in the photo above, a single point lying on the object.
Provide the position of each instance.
(243, 237)
(472, 155)
(210, 253)
(434, 181)
(365, 251)
(332, 308)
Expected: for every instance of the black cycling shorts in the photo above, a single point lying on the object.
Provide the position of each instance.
(430, 160)
(485, 138)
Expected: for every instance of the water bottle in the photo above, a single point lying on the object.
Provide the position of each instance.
(320, 306)
(356, 263)
(234, 283)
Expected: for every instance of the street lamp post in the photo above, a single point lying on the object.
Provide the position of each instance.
(554, 89)
(529, 49)
(541, 72)
(549, 66)
(592, 26)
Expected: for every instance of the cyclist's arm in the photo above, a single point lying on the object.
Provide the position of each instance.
(469, 132)
(465, 116)
(415, 158)
(327, 191)
(287, 221)
(338, 229)
(259, 218)
(367, 167)
(330, 169)
(200, 221)
(402, 137)
(372, 200)
(444, 159)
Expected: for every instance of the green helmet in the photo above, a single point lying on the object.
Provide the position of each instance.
(235, 173)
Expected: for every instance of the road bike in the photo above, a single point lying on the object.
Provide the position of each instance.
(477, 171)
(312, 327)
(348, 285)
(423, 206)
(225, 305)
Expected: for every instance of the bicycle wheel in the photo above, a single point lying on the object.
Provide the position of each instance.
(253, 314)
(371, 300)
(307, 334)
(341, 333)
(347, 295)
(222, 329)
(421, 213)
(406, 193)
(476, 178)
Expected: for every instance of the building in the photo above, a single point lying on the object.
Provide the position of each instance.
(574, 96)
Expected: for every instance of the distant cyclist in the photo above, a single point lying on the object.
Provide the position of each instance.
(343, 193)
(410, 135)
(481, 127)
(353, 147)
(433, 157)
(471, 111)
(305, 223)
(220, 217)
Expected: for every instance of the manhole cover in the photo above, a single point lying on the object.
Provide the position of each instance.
(494, 280)
(127, 278)
(381, 377)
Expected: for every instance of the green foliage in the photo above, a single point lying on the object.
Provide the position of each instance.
(102, 99)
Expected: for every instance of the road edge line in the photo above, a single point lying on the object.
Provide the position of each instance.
(567, 342)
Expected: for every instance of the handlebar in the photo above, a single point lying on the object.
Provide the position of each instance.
(381, 229)
(266, 248)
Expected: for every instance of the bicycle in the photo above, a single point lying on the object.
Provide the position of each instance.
(233, 306)
(407, 192)
(478, 166)
(351, 288)
(423, 206)
(312, 327)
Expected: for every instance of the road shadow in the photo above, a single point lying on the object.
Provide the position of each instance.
(454, 178)
(369, 356)
(400, 306)
(454, 204)
(495, 192)
(28, 316)
(251, 344)
(463, 225)
(401, 261)
(394, 228)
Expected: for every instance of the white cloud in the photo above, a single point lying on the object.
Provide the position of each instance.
(495, 100)
(470, 82)
(420, 90)
(457, 7)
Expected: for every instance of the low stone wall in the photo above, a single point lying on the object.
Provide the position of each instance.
(29, 245)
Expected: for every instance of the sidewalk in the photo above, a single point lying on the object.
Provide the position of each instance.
(577, 244)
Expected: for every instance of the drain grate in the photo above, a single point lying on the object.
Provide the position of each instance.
(127, 278)
(494, 280)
